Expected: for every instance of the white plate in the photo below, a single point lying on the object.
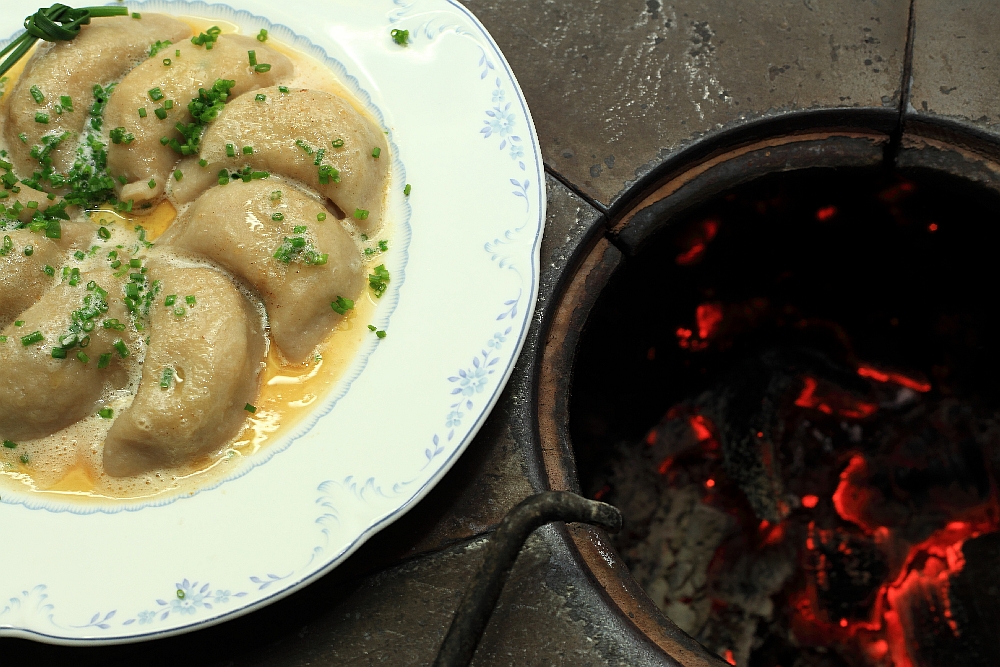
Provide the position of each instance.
(464, 267)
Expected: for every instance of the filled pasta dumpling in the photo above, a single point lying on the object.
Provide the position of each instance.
(67, 350)
(286, 246)
(67, 72)
(312, 136)
(153, 98)
(203, 363)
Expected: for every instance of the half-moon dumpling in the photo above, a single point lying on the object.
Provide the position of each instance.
(310, 135)
(202, 367)
(100, 54)
(144, 161)
(22, 277)
(299, 263)
(41, 393)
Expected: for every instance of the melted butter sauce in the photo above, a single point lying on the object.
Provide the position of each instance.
(67, 464)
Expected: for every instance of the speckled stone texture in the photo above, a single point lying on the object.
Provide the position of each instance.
(956, 66)
(619, 87)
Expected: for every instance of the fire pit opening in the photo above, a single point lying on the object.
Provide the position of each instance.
(793, 395)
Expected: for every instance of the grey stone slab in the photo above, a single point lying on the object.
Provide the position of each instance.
(956, 67)
(617, 88)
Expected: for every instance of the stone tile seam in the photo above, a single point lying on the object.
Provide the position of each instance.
(569, 185)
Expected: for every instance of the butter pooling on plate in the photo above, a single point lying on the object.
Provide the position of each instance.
(277, 212)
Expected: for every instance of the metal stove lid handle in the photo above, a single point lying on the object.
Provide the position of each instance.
(483, 592)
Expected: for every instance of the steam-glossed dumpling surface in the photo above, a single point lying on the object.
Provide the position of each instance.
(40, 394)
(214, 351)
(101, 54)
(145, 159)
(287, 131)
(233, 225)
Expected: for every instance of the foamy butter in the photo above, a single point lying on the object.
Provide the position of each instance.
(68, 463)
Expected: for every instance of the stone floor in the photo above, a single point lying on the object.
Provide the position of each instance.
(622, 92)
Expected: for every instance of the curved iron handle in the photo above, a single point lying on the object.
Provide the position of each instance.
(482, 594)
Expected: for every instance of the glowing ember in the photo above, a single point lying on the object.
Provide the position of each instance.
(810, 501)
(895, 378)
(826, 213)
(702, 236)
(709, 316)
(833, 402)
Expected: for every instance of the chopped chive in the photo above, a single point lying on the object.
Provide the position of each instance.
(406, 190)
(161, 113)
(121, 347)
(104, 233)
(383, 245)
(230, 151)
(337, 143)
(170, 300)
(257, 175)
(178, 174)
(277, 217)
(190, 299)
(24, 459)
(166, 62)
(10, 444)
(248, 150)
(400, 36)
(151, 184)
(58, 353)
(276, 195)
(36, 93)
(29, 250)
(360, 214)
(376, 151)
(136, 15)
(32, 338)
(168, 105)
(283, 89)
(252, 409)
(135, 263)
(371, 327)
(166, 377)
(115, 264)
(48, 270)
(42, 118)
(67, 102)
(82, 357)
(7, 246)
(321, 217)
(261, 68)
(262, 36)
(261, 97)
(299, 229)
(253, 58)
(179, 311)
(155, 94)
(79, 255)
(380, 333)
(106, 413)
(203, 162)
(342, 305)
